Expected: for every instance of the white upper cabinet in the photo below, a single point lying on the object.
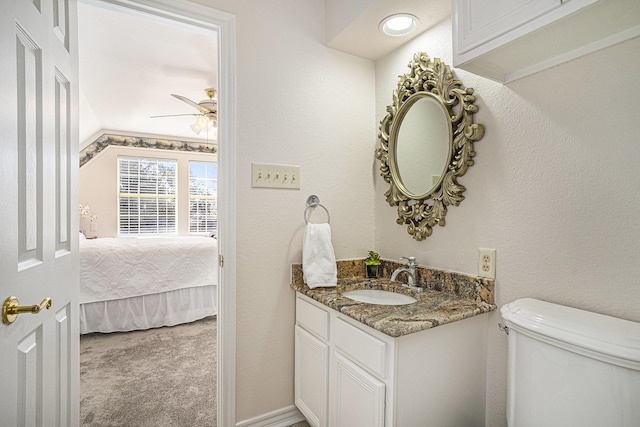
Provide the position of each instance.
(479, 22)
(505, 40)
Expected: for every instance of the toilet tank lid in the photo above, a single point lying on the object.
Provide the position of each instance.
(607, 336)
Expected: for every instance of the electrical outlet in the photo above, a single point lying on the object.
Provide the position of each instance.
(275, 176)
(487, 263)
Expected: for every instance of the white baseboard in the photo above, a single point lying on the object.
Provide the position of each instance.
(279, 418)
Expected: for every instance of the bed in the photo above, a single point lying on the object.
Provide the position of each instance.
(130, 283)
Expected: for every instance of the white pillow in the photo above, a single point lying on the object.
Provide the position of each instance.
(82, 236)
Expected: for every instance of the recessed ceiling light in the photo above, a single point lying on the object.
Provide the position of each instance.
(399, 24)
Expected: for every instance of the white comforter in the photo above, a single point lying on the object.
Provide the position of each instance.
(116, 268)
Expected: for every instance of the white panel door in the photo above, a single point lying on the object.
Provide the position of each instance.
(39, 353)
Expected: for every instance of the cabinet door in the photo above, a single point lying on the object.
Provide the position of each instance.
(358, 399)
(311, 377)
(479, 21)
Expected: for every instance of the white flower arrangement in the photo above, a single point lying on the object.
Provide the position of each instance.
(85, 212)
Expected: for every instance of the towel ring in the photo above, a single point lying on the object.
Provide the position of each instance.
(312, 202)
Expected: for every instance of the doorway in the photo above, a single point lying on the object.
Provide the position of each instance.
(181, 13)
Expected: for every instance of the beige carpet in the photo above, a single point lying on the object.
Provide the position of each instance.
(160, 377)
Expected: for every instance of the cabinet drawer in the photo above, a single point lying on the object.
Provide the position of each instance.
(361, 346)
(313, 319)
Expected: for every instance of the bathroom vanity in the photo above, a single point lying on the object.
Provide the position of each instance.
(382, 365)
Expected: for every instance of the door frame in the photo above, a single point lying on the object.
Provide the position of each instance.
(225, 25)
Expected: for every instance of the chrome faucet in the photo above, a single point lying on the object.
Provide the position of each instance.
(410, 270)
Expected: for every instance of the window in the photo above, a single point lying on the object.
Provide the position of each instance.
(147, 196)
(203, 197)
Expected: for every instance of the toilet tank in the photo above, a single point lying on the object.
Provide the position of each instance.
(570, 367)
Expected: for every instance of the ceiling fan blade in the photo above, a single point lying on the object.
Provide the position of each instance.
(190, 102)
(173, 115)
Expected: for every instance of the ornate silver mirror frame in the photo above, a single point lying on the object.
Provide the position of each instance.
(430, 79)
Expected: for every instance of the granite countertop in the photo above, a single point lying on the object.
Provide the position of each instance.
(433, 308)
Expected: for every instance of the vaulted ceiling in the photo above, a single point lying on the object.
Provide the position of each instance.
(130, 64)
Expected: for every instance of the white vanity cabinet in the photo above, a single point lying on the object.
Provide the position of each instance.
(508, 39)
(360, 365)
(358, 398)
(312, 362)
(348, 374)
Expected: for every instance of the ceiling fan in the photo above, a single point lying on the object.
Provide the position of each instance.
(207, 118)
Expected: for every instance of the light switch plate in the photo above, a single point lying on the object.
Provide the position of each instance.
(266, 175)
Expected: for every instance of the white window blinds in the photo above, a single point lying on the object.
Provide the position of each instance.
(147, 196)
(203, 197)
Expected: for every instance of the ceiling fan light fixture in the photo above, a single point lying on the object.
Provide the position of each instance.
(207, 119)
(196, 129)
(202, 122)
(399, 24)
(207, 124)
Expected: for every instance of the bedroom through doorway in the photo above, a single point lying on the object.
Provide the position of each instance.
(148, 185)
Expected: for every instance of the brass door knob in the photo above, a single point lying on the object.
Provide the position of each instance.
(11, 309)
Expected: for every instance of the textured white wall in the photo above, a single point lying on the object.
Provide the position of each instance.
(299, 103)
(554, 189)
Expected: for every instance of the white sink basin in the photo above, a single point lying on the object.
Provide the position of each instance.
(380, 297)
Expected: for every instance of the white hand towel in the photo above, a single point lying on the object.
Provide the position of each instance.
(318, 259)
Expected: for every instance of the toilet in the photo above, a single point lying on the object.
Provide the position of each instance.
(570, 367)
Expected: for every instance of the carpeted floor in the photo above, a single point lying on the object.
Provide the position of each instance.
(159, 377)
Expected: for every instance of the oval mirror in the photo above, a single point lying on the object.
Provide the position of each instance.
(420, 145)
(426, 144)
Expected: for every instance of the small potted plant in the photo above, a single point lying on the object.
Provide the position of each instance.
(372, 264)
